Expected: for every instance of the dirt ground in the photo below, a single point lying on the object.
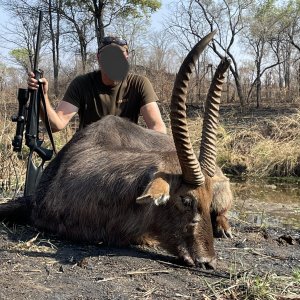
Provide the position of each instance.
(256, 264)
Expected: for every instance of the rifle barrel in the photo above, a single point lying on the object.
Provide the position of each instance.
(38, 41)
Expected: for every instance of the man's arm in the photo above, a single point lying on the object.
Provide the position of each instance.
(152, 117)
(58, 118)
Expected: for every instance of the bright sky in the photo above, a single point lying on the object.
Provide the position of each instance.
(157, 21)
(3, 20)
(157, 18)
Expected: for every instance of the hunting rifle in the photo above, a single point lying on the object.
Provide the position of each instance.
(28, 117)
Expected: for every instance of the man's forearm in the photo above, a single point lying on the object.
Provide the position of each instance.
(54, 120)
(160, 127)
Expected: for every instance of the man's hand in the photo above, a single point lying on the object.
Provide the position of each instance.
(33, 83)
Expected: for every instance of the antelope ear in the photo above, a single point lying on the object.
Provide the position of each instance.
(157, 192)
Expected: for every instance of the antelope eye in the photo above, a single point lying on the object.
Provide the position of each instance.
(186, 200)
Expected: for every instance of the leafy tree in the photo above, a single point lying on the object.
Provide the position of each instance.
(78, 28)
(20, 56)
(261, 31)
(290, 33)
(106, 11)
(291, 22)
(21, 32)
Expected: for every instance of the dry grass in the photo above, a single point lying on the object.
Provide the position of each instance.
(263, 148)
(12, 169)
(13, 164)
(254, 287)
(267, 148)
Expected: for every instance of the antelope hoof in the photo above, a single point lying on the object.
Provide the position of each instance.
(228, 233)
(221, 227)
(206, 265)
(223, 233)
(187, 260)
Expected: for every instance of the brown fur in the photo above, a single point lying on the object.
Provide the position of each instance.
(90, 191)
(222, 201)
(106, 185)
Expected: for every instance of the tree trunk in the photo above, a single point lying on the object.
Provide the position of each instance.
(258, 92)
(258, 83)
(280, 77)
(239, 88)
(98, 20)
(240, 92)
(55, 41)
(287, 69)
(83, 54)
(228, 88)
(298, 80)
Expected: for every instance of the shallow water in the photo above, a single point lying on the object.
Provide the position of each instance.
(267, 202)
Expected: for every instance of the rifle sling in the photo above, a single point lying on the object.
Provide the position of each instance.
(46, 121)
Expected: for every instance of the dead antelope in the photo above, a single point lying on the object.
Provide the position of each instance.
(119, 183)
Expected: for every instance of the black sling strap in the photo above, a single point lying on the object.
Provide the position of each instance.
(46, 121)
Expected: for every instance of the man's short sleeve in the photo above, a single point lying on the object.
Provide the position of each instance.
(147, 92)
(73, 94)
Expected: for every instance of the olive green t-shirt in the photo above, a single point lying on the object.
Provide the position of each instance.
(95, 99)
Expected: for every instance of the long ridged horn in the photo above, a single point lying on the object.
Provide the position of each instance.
(207, 156)
(189, 163)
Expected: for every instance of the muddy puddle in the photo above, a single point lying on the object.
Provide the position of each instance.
(267, 202)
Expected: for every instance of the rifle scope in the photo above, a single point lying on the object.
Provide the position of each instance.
(20, 119)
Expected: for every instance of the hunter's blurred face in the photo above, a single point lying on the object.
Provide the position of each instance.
(113, 61)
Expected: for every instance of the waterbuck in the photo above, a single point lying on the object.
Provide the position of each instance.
(119, 183)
